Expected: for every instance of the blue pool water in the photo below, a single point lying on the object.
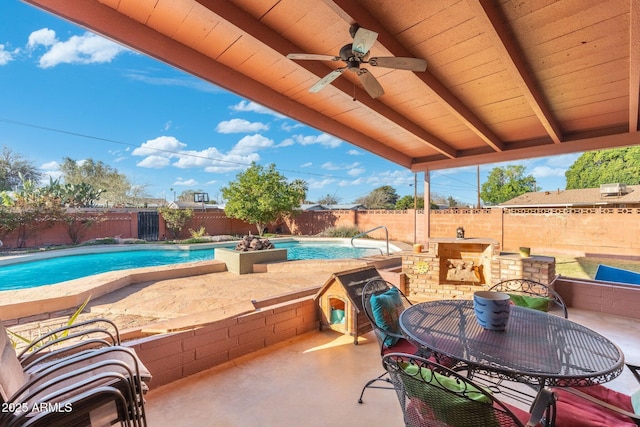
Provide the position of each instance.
(54, 270)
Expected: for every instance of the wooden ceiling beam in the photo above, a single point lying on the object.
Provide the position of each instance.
(110, 23)
(491, 22)
(531, 151)
(358, 13)
(273, 40)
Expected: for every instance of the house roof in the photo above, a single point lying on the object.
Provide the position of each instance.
(578, 197)
(320, 207)
(506, 80)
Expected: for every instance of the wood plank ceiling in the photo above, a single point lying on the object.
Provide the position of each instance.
(506, 79)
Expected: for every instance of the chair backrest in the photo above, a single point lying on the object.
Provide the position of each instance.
(431, 394)
(12, 376)
(531, 288)
(385, 326)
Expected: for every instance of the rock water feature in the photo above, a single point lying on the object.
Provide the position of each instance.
(253, 243)
(249, 251)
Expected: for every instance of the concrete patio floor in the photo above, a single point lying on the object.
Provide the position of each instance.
(315, 380)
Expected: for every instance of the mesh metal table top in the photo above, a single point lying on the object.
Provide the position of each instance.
(536, 348)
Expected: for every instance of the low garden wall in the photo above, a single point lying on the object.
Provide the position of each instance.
(175, 355)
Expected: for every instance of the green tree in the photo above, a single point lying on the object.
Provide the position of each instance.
(116, 187)
(506, 183)
(260, 196)
(406, 202)
(30, 209)
(14, 169)
(605, 167)
(175, 219)
(329, 200)
(384, 197)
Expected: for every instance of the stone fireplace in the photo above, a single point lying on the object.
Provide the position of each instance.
(456, 268)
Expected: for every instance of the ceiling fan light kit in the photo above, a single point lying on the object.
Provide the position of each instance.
(354, 55)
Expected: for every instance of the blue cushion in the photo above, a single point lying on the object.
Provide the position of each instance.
(386, 309)
(635, 402)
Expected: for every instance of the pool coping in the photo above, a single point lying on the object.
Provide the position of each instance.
(44, 302)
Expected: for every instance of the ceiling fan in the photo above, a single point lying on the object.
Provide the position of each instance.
(357, 53)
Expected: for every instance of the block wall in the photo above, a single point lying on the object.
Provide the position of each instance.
(172, 356)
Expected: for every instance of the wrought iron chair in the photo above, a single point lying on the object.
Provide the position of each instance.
(597, 405)
(536, 295)
(101, 379)
(431, 394)
(385, 322)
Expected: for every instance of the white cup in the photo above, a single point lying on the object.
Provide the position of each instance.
(492, 309)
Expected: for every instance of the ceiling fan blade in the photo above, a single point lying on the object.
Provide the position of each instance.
(326, 80)
(363, 41)
(370, 83)
(411, 64)
(313, 57)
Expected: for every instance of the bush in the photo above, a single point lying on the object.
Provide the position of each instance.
(344, 231)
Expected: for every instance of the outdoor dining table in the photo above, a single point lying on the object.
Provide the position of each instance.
(536, 348)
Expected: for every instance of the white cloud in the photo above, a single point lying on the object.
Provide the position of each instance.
(49, 166)
(306, 165)
(43, 37)
(356, 171)
(544, 171)
(563, 160)
(355, 153)
(393, 178)
(5, 55)
(323, 139)
(88, 48)
(50, 170)
(252, 107)
(166, 145)
(288, 127)
(185, 182)
(186, 82)
(153, 162)
(168, 151)
(251, 143)
(334, 167)
(317, 184)
(286, 143)
(241, 126)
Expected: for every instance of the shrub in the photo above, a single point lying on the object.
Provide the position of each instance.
(343, 231)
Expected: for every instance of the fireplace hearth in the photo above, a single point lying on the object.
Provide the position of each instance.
(456, 268)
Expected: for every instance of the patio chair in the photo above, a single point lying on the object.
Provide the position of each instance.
(56, 378)
(382, 303)
(70, 339)
(431, 394)
(532, 294)
(598, 405)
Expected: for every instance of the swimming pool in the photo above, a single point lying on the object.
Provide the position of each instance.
(68, 267)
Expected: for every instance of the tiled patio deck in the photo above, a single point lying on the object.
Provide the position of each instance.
(315, 380)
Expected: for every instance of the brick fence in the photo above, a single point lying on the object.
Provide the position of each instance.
(573, 231)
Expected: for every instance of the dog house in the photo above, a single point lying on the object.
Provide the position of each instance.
(340, 302)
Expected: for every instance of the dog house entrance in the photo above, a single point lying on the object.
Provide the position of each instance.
(340, 302)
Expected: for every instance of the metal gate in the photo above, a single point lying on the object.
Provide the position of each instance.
(148, 225)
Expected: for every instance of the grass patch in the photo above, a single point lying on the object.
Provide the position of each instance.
(585, 267)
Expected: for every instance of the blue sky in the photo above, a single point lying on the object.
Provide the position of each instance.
(66, 92)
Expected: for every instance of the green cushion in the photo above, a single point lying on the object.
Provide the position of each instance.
(536, 303)
(473, 409)
(635, 402)
(386, 309)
